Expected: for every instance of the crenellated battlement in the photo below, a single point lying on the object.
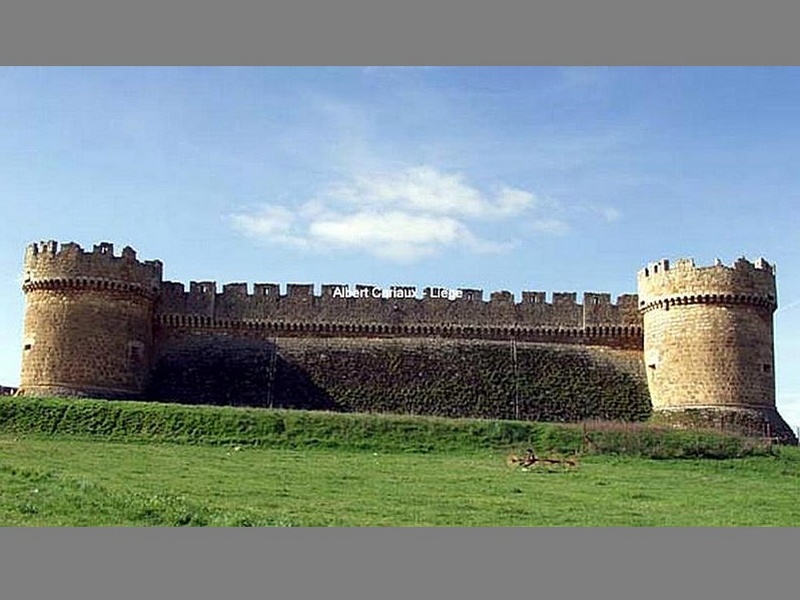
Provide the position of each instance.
(662, 283)
(46, 264)
(396, 305)
(338, 292)
(742, 265)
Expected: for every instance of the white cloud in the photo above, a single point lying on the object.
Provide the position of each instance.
(394, 235)
(426, 189)
(393, 227)
(274, 223)
(270, 220)
(404, 215)
(511, 202)
(551, 226)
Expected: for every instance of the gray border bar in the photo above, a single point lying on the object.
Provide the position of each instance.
(92, 32)
(397, 563)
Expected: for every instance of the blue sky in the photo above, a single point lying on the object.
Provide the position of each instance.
(547, 178)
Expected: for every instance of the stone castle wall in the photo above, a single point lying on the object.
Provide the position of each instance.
(88, 326)
(708, 334)
(109, 326)
(299, 310)
(90, 343)
(413, 351)
(424, 375)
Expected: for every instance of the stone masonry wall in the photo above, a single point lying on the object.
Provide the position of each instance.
(435, 376)
(702, 355)
(708, 334)
(86, 342)
(88, 326)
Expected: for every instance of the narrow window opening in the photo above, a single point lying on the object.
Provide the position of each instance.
(767, 368)
(27, 346)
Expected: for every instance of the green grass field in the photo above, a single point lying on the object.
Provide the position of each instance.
(60, 481)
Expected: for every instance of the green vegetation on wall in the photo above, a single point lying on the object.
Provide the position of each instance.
(480, 381)
(457, 379)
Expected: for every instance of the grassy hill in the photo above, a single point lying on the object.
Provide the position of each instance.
(75, 463)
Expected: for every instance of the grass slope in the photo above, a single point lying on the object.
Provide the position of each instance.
(294, 429)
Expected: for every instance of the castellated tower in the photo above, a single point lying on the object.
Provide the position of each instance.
(88, 321)
(708, 343)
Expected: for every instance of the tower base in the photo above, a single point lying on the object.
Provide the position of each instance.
(761, 422)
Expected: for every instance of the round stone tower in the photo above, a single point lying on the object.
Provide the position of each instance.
(88, 321)
(708, 344)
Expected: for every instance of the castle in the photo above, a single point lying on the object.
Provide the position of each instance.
(696, 344)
